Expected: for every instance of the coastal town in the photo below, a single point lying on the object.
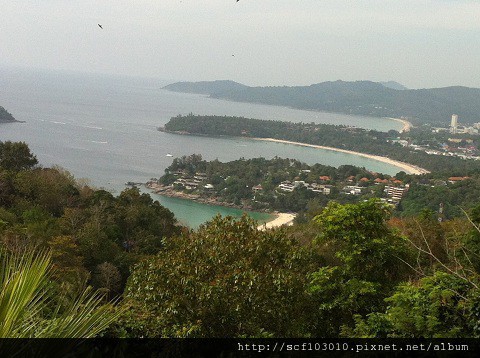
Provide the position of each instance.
(454, 141)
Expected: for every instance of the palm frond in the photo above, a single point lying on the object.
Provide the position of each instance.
(26, 293)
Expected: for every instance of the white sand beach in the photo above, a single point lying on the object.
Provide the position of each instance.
(406, 124)
(408, 168)
(281, 219)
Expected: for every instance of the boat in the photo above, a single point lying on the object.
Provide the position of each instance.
(169, 155)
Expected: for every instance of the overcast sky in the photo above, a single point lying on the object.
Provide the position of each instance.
(419, 43)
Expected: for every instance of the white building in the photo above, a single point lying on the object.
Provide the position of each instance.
(396, 193)
(454, 124)
(352, 190)
(286, 186)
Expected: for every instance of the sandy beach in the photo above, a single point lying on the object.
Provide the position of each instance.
(408, 168)
(406, 124)
(281, 219)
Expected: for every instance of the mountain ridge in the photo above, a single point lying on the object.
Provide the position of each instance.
(434, 105)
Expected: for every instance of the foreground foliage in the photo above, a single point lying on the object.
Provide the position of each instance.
(228, 279)
(29, 308)
(345, 270)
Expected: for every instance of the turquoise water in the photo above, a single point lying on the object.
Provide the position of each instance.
(104, 128)
(194, 214)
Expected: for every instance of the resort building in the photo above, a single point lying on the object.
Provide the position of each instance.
(395, 193)
(286, 186)
(352, 190)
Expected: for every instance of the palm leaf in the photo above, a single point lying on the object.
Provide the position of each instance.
(26, 293)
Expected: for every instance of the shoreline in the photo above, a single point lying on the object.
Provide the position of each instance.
(408, 168)
(406, 124)
(278, 220)
(281, 219)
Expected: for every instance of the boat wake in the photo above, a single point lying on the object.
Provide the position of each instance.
(90, 127)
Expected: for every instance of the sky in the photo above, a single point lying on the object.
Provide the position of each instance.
(419, 43)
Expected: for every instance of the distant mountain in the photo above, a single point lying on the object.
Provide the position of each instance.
(205, 87)
(5, 116)
(394, 85)
(367, 98)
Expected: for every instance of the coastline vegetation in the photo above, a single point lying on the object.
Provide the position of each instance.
(342, 137)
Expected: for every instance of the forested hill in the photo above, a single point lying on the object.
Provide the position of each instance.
(206, 87)
(394, 85)
(5, 116)
(434, 105)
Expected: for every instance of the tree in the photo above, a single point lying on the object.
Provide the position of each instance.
(107, 277)
(228, 279)
(364, 262)
(16, 156)
(67, 263)
(443, 303)
(26, 299)
(438, 306)
(362, 241)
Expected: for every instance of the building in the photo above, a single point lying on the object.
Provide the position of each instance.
(286, 186)
(257, 188)
(453, 180)
(352, 190)
(320, 188)
(395, 193)
(454, 124)
(200, 176)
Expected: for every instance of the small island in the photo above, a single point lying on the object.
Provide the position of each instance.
(5, 116)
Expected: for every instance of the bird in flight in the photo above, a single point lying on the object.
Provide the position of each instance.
(100, 26)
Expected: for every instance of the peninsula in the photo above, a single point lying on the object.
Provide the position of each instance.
(407, 168)
(371, 144)
(279, 186)
(390, 147)
(376, 99)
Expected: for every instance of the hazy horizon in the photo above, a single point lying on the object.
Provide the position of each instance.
(258, 43)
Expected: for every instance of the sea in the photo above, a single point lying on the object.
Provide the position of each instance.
(103, 130)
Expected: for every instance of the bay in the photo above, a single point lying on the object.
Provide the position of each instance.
(104, 128)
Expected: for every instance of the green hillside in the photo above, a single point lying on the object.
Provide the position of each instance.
(368, 98)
